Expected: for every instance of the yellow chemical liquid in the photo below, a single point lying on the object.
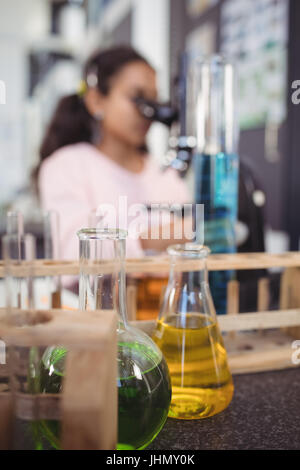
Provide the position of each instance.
(194, 350)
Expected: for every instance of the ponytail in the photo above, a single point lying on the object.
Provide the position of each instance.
(70, 124)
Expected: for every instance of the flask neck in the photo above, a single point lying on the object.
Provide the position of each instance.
(187, 294)
(103, 292)
(188, 278)
(102, 282)
(182, 261)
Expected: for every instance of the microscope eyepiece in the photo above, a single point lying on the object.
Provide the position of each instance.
(155, 111)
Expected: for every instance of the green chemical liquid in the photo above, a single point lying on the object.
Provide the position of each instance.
(144, 395)
(46, 433)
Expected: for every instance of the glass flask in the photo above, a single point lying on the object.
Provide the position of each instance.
(144, 388)
(187, 332)
(212, 84)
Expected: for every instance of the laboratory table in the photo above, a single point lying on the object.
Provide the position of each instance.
(264, 414)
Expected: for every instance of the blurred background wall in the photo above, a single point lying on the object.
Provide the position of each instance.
(43, 44)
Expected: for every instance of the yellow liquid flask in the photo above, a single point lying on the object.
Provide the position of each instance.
(188, 334)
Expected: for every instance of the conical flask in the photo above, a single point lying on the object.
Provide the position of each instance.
(187, 332)
(144, 388)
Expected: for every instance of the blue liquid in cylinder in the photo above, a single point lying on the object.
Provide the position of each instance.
(216, 186)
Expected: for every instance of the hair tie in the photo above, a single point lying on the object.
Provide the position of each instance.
(82, 88)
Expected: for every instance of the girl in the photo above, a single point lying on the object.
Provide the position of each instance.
(94, 150)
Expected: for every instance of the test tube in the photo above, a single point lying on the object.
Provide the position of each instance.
(19, 256)
(52, 252)
(22, 374)
(14, 223)
(15, 226)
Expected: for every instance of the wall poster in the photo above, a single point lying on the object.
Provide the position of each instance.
(254, 33)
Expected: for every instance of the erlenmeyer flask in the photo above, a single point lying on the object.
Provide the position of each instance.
(144, 389)
(188, 335)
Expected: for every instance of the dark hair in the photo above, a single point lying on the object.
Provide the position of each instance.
(71, 122)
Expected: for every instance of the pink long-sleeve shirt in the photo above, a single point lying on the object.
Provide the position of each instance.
(76, 179)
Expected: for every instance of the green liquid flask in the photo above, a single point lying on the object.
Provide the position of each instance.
(144, 388)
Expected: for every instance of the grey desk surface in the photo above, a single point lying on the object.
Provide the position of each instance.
(264, 414)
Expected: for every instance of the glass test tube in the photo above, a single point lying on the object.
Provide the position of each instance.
(52, 252)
